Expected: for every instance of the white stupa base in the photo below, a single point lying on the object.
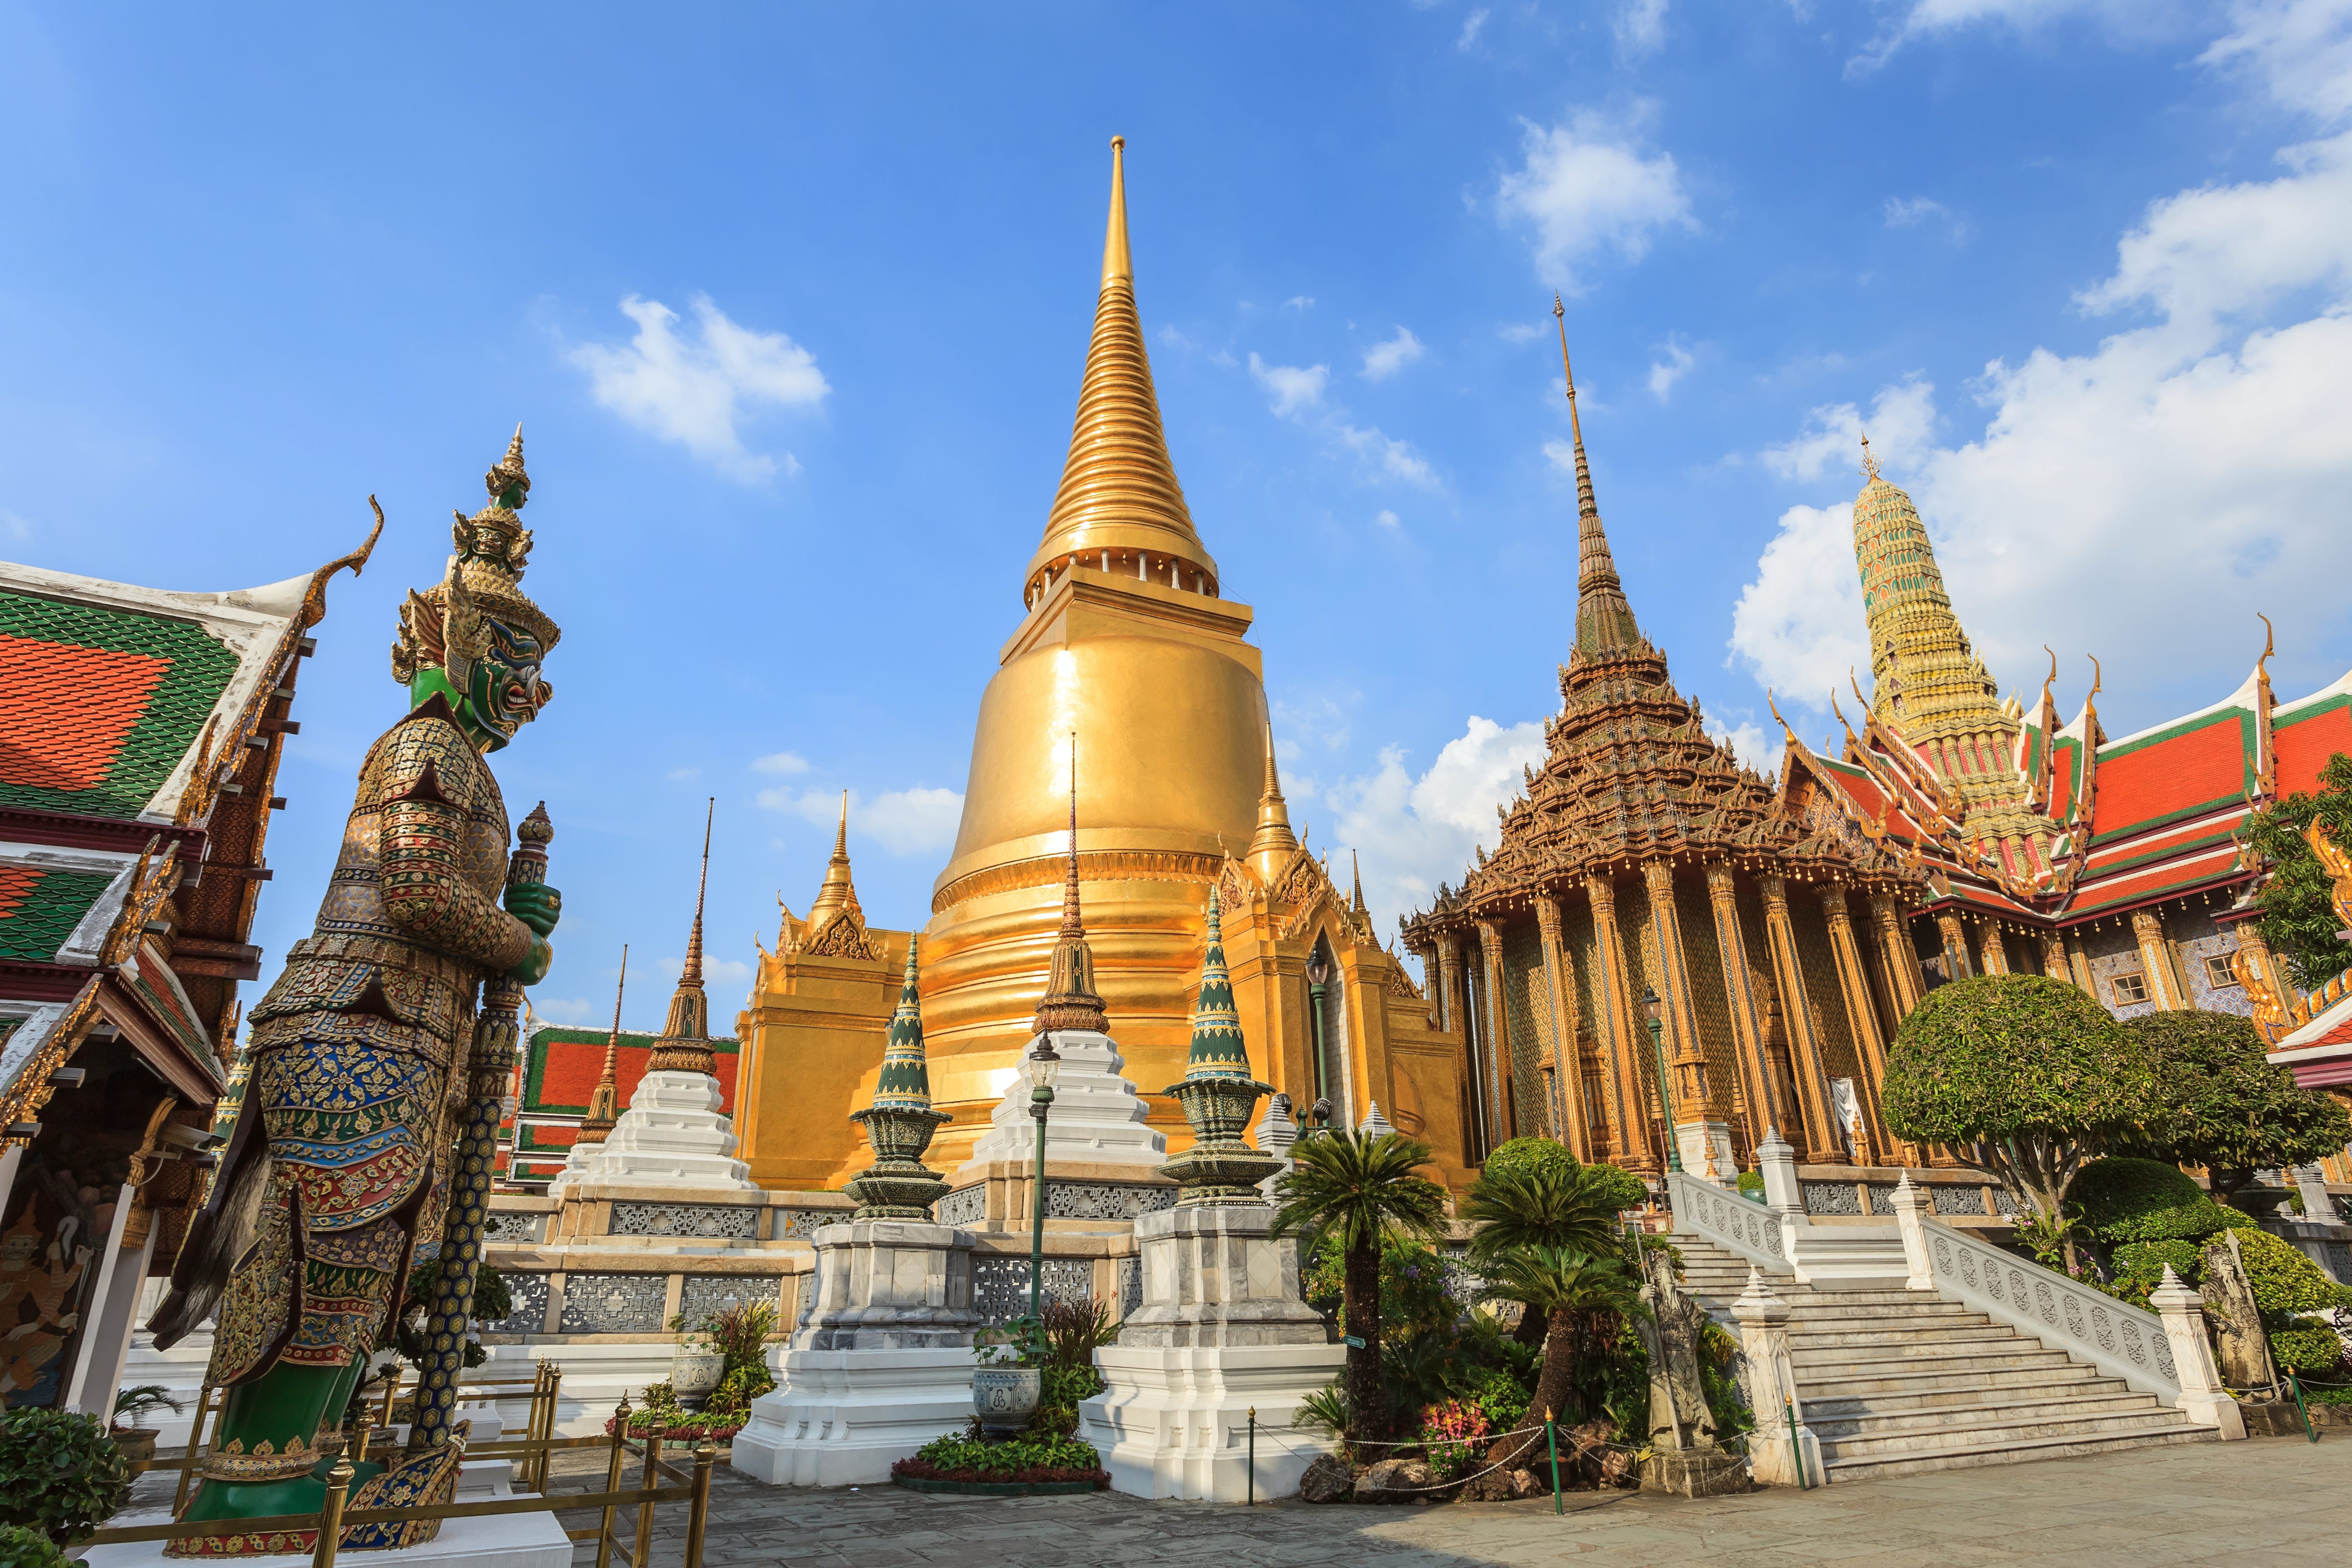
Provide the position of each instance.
(1098, 1116)
(672, 1135)
(1175, 1423)
(841, 1419)
(1694, 1140)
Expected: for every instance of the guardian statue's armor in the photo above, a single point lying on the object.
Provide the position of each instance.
(342, 1157)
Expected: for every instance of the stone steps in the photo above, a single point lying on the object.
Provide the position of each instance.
(1894, 1382)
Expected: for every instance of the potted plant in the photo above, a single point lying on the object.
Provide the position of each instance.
(60, 1473)
(1010, 1378)
(696, 1366)
(136, 1441)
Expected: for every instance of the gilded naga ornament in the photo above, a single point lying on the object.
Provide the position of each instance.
(374, 1068)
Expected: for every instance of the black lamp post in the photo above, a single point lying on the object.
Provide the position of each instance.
(1319, 975)
(1653, 1012)
(1045, 1062)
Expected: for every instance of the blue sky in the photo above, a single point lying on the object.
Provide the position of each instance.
(791, 303)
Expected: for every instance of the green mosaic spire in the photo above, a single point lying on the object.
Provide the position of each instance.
(906, 1080)
(1217, 1050)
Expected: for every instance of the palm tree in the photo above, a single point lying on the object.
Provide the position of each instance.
(1566, 1205)
(1573, 1292)
(1353, 1191)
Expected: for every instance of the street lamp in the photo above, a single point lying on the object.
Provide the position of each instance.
(1653, 1012)
(1319, 975)
(1045, 1062)
(1320, 1113)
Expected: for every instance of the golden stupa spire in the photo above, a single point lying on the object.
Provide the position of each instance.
(1605, 619)
(1357, 867)
(1071, 1000)
(604, 1100)
(685, 1043)
(1271, 847)
(1869, 463)
(1120, 505)
(839, 894)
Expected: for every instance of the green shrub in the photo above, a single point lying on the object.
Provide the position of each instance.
(1017, 1459)
(1502, 1398)
(23, 1548)
(60, 1473)
(1060, 1390)
(1525, 1157)
(1751, 1185)
(2284, 1281)
(2306, 1348)
(1416, 1295)
(2116, 1190)
(2139, 1268)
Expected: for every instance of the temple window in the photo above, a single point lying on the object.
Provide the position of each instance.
(2130, 988)
(2217, 970)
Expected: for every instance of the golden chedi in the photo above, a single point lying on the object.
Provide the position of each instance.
(1127, 652)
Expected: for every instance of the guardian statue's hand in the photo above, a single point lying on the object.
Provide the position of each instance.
(534, 966)
(535, 904)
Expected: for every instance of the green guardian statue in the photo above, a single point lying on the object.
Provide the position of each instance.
(367, 1060)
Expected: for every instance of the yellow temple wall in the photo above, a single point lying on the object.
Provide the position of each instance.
(812, 1037)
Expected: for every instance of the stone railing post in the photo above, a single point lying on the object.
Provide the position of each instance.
(1784, 1194)
(2318, 1207)
(1775, 1458)
(2203, 1399)
(1908, 1205)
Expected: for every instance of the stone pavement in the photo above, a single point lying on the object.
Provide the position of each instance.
(2276, 1500)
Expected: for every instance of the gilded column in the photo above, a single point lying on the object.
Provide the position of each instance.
(2164, 988)
(1862, 1015)
(1497, 1034)
(1568, 1068)
(1624, 1035)
(2267, 986)
(2054, 957)
(1449, 982)
(1903, 981)
(1795, 1011)
(1990, 949)
(1956, 946)
(1694, 1094)
(1747, 1029)
(2080, 962)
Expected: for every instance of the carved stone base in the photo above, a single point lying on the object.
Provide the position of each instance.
(1174, 1422)
(1696, 1473)
(672, 1135)
(842, 1418)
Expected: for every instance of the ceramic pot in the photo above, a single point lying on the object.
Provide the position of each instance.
(138, 1446)
(1004, 1397)
(693, 1374)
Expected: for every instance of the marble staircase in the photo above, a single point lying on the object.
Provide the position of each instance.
(1896, 1382)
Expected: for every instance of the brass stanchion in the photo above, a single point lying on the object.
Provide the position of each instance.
(330, 1513)
(706, 1454)
(612, 1481)
(195, 1447)
(644, 1544)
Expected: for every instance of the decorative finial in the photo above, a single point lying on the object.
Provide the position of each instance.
(1869, 463)
(605, 1099)
(1118, 266)
(1605, 619)
(684, 1042)
(508, 485)
(900, 1121)
(1217, 1093)
(694, 937)
(1071, 1000)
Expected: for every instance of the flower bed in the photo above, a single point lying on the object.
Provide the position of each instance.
(680, 1426)
(1032, 1462)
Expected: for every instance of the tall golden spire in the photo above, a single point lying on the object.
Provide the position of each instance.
(1119, 497)
(1604, 620)
(839, 894)
(685, 1043)
(1271, 847)
(604, 1100)
(1071, 1000)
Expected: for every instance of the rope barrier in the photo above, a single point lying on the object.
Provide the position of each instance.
(1580, 1450)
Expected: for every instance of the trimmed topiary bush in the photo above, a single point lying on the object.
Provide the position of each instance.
(60, 1473)
(1524, 1156)
(2306, 1349)
(2216, 1102)
(2125, 1200)
(2284, 1280)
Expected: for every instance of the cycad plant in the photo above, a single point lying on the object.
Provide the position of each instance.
(1575, 1292)
(1561, 1203)
(1350, 1190)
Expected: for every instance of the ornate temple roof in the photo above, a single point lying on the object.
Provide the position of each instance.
(1630, 774)
(560, 1069)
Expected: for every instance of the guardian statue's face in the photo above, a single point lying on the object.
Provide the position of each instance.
(505, 691)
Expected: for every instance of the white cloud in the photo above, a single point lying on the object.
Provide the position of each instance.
(1293, 387)
(2128, 19)
(1383, 360)
(1562, 456)
(13, 525)
(695, 388)
(1665, 372)
(1395, 458)
(1414, 832)
(2143, 500)
(1917, 212)
(1901, 422)
(574, 1010)
(683, 775)
(1519, 333)
(1758, 745)
(781, 763)
(1302, 303)
(1470, 29)
(715, 971)
(1386, 519)
(1640, 26)
(903, 820)
(1588, 187)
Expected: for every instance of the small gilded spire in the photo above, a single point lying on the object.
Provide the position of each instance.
(900, 1121)
(1869, 463)
(605, 1099)
(1357, 868)
(1217, 1049)
(1605, 619)
(506, 482)
(838, 895)
(1071, 1000)
(1118, 266)
(906, 1080)
(1271, 847)
(685, 1043)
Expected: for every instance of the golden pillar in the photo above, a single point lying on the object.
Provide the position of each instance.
(1567, 1060)
(2267, 986)
(2079, 962)
(1861, 1017)
(1497, 1036)
(1450, 995)
(1797, 1013)
(1626, 1036)
(2054, 957)
(1904, 982)
(2164, 985)
(1993, 951)
(1956, 946)
(1746, 1027)
(1694, 1093)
